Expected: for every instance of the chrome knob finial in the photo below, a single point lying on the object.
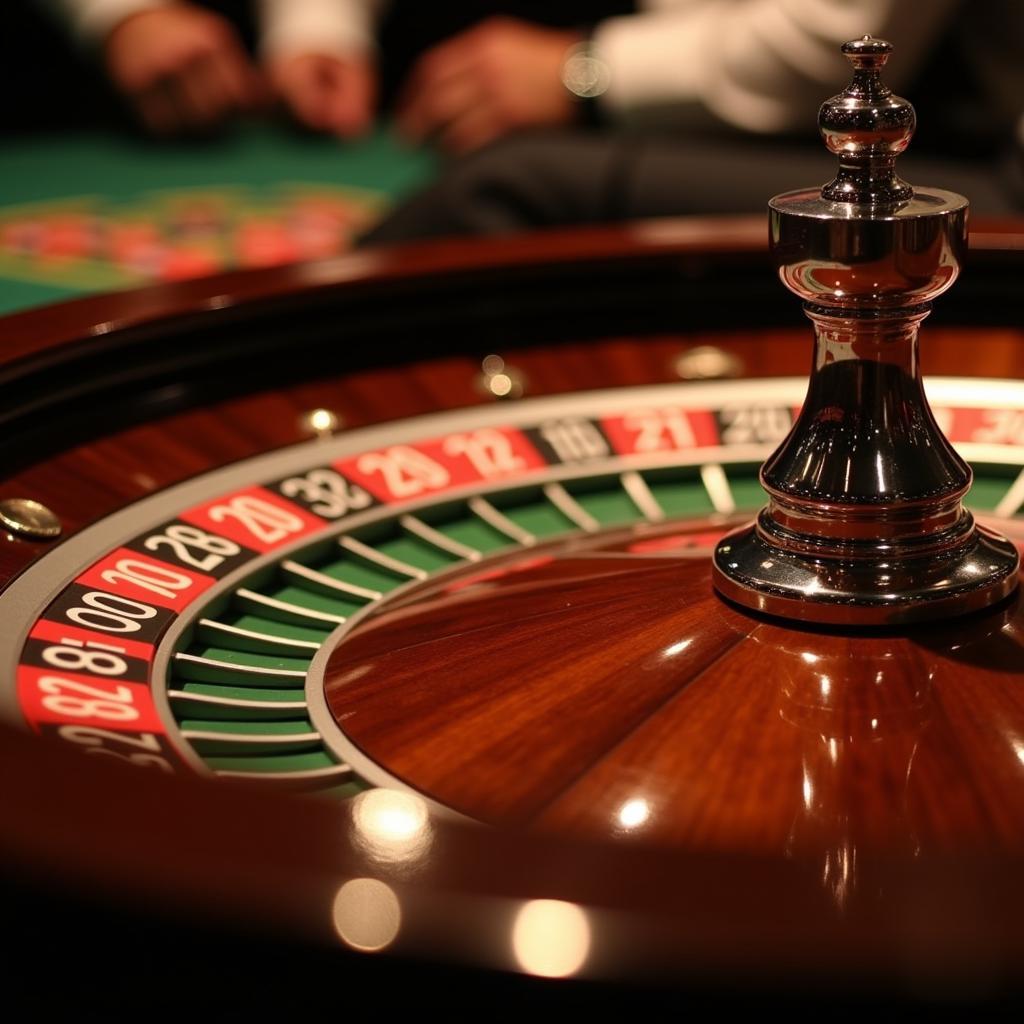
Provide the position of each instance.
(867, 127)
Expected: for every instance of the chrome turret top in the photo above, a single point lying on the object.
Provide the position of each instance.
(864, 523)
(867, 240)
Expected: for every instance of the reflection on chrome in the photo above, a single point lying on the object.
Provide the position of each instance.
(551, 938)
(392, 826)
(633, 813)
(367, 914)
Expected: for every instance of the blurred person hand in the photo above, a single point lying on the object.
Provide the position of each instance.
(183, 68)
(498, 76)
(327, 93)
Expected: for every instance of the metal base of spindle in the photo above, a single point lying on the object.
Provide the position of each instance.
(875, 585)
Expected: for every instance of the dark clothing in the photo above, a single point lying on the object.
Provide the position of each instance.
(541, 179)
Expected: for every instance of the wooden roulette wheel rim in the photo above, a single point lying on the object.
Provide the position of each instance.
(231, 856)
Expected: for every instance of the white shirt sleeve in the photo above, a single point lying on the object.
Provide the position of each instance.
(758, 65)
(318, 26)
(90, 21)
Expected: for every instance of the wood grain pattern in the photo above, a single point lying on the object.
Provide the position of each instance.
(564, 693)
(490, 697)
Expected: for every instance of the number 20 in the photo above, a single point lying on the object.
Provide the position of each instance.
(267, 523)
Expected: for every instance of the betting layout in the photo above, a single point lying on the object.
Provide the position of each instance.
(188, 642)
(88, 243)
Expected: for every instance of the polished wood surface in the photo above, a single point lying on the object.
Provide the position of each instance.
(494, 697)
(765, 787)
(598, 687)
(256, 866)
(32, 331)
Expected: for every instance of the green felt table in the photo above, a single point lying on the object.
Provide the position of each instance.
(254, 167)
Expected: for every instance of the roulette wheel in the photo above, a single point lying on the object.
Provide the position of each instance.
(404, 604)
